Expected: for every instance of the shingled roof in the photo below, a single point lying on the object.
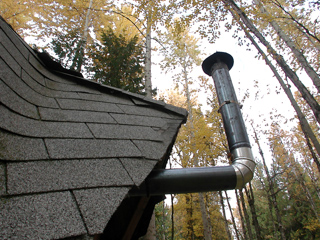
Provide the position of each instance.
(71, 149)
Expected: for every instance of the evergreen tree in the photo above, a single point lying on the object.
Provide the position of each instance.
(67, 48)
(118, 62)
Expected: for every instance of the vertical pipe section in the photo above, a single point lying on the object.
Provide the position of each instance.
(218, 65)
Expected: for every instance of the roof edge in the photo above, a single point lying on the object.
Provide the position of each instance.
(49, 63)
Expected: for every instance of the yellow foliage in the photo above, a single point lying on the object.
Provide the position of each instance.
(313, 225)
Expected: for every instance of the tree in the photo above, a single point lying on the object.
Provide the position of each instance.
(293, 47)
(47, 19)
(305, 93)
(209, 147)
(17, 13)
(251, 202)
(152, 12)
(67, 48)
(118, 62)
(185, 51)
(299, 204)
(163, 221)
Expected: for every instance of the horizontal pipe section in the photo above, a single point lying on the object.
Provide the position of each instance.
(188, 180)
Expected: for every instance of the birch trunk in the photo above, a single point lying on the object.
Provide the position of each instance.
(224, 216)
(243, 225)
(315, 107)
(172, 217)
(232, 217)
(207, 232)
(303, 122)
(246, 216)
(148, 82)
(299, 56)
(255, 221)
(78, 59)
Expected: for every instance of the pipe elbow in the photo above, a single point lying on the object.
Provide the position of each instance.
(244, 165)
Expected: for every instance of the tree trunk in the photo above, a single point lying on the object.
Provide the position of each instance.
(172, 217)
(172, 209)
(205, 218)
(314, 179)
(315, 107)
(232, 217)
(303, 122)
(313, 138)
(246, 215)
(204, 215)
(255, 221)
(148, 82)
(243, 225)
(311, 36)
(189, 210)
(270, 206)
(272, 194)
(151, 232)
(163, 232)
(79, 56)
(299, 56)
(224, 216)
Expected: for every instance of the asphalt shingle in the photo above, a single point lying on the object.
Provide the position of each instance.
(43, 176)
(12, 49)
(143, 111)
(36, 64)
(58, 86)
(98, 205)
(23, 90)
(3, 187)
(138, 169)
(14, 38)
(45, 216)
(86, 148)
(40, 88)
(6, 58)
(16, 103)
(113, 131)
(33, 128)
(138, 120)
(151, 150)
(13, 147)
(76, 104)
(60, 115)
(108, 98)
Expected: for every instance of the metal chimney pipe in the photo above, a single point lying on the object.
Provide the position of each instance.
(218, 65)
(235, 176)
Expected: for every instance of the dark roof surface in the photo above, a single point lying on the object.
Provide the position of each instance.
(70, 149)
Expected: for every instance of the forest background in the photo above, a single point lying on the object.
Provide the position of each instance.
(275, 45)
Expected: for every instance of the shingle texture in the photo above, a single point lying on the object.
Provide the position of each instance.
(70, 149)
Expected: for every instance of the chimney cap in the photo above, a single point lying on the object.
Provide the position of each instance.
(215, 58)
